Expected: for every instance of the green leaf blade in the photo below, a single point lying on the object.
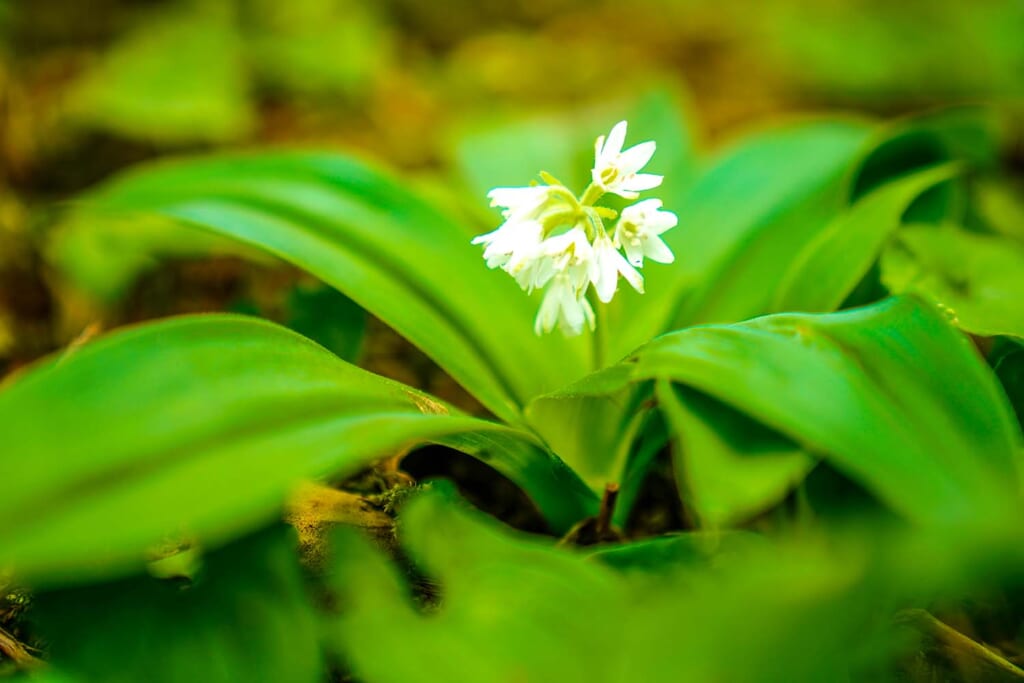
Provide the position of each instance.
(891, 393)
(832, 264)
(201, 427)
(369, 237)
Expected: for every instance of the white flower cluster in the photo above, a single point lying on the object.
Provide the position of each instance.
(551, 238)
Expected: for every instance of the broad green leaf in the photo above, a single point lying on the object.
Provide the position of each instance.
(247, 616)
(199, 428)
(178, 78)
(741, 223)
(1008, 363)
(1000, 201)
(729, 467)
(368, 236)
(102, 256)
(977, 278)
(972, 135)
(748, 219)
(666, 554)
(590, 428)
(831, 265)
(515, 608)
(891, 394)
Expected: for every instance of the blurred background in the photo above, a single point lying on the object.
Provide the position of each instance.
(90, 88)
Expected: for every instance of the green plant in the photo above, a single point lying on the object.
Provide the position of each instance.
(196, 430)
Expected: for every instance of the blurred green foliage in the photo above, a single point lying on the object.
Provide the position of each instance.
(833, 367)
(516, 608)
(245, 616)
(201, 93)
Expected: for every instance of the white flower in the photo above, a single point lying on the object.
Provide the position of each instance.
(565, 304)
(565, 307)
(638, 232)
(551, 239)
(617, 171)
(606, 266)
(532, 269)
(515, 245)
(513, 242)
(522, 203)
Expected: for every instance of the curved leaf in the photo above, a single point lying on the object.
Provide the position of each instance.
(199, 427)
(739, 224)
(831, 265)
(729, 467)
(770, 199)
(516, 608)
(247, 617)
(978, 278)
(891, 394)
(367, 235)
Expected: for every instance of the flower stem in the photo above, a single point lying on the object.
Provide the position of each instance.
(591, 195)
(607, 509)
(597, 336)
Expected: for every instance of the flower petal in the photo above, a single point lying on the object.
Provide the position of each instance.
(636, 157)
(635, 279)
(613, 146)
(588, 312)
(641, 182)
(634, 253)
(658, 251)
(662, 221)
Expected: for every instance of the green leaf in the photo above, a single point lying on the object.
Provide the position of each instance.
(740, 224)
(518, 608)
(977, 278)
(245, 617)
(390, 252)
(891, 394)
(102, 256)
(199, 428)
(1000, 201)
(752, 216)
(178, 78)
(666, 554)
(590, 426)
(729, 467)
(1008, 364)
(830, 265)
